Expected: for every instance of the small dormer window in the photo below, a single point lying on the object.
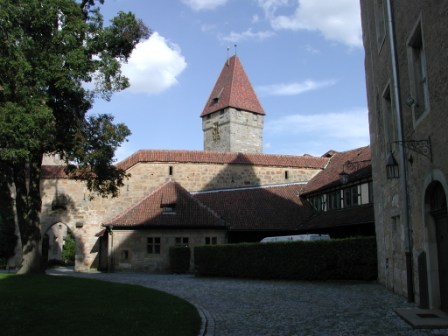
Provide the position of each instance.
(218, 96)
(169, 209)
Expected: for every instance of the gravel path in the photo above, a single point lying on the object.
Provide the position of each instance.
(282, 308)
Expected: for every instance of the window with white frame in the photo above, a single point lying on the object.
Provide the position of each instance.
(334, 200)
(351, 196)
(419, 99)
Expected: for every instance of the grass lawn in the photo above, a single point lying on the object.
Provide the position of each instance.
(50, 305)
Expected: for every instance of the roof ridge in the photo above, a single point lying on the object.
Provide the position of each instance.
(265, 186)
(197, 156)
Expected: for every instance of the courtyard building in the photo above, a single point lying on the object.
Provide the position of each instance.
(406, 61)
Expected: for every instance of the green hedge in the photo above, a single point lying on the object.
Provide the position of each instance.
(180, 259)
(342, 259)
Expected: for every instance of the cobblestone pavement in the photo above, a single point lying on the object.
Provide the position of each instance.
(283, 308)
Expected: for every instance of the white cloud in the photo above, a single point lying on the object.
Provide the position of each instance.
(154, 65)
(319, 133)
(336, 20)
(198, 5)
(291, 89)
(248, 34)
(312, 50)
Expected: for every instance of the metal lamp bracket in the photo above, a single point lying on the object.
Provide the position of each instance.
(422, 147)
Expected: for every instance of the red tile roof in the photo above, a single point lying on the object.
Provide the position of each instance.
(187, 212)
(356, 163)
(233, 89)
(50, 172)
(183, 156)
(259, 209)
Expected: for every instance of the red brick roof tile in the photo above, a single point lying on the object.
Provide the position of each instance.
(183, 156)
(50, 172)
(188, 212)
(356, 163)
(233, 89)
(276, 208)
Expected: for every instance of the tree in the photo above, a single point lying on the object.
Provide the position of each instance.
(50, 50)
(8, 237)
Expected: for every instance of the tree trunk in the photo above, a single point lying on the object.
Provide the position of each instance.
(29, 204)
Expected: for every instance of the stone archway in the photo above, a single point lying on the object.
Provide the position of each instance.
(435, 199)
(57, 243)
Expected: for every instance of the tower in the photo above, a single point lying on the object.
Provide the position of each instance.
(232, 119)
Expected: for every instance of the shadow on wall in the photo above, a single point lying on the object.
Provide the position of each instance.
(255, 212)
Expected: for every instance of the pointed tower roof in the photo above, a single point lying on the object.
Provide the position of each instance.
(233, 89)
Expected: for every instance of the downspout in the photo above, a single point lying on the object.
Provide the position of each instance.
(110, 248)
(401, 153)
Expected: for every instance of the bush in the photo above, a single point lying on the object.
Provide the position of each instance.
(180, 259)
(344, 259)
(69, 250)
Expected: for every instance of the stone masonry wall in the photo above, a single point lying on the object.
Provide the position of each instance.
(84, 215)
(130, 247)
(430, 16)
(232, 130)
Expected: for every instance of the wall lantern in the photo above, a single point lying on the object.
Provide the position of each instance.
(422, 147)
(392, 169)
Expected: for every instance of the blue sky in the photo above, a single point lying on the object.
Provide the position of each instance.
(304, 59)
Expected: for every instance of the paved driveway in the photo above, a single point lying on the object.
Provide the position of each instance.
(278, 308)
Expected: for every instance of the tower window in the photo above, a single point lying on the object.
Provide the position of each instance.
(418, 74)
(170, 170)
(286, 174)
(218, 96)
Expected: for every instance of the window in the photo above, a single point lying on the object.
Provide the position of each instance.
(380, 22)
(153, 245)
(419, 101)
(388, 118)
(318, 202)
(169, 209)
(211, 240)
(286, 174)
(350, 196)
(170, 170)
(124, 255)
(334, 200)
(181, 241)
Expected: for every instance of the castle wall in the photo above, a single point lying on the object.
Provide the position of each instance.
(84, 215)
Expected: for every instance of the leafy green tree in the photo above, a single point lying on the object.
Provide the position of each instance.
(50, 50)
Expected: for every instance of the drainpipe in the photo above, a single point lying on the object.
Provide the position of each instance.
(401, 154)
(110, 248)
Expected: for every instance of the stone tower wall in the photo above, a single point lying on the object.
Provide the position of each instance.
(233, 130)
